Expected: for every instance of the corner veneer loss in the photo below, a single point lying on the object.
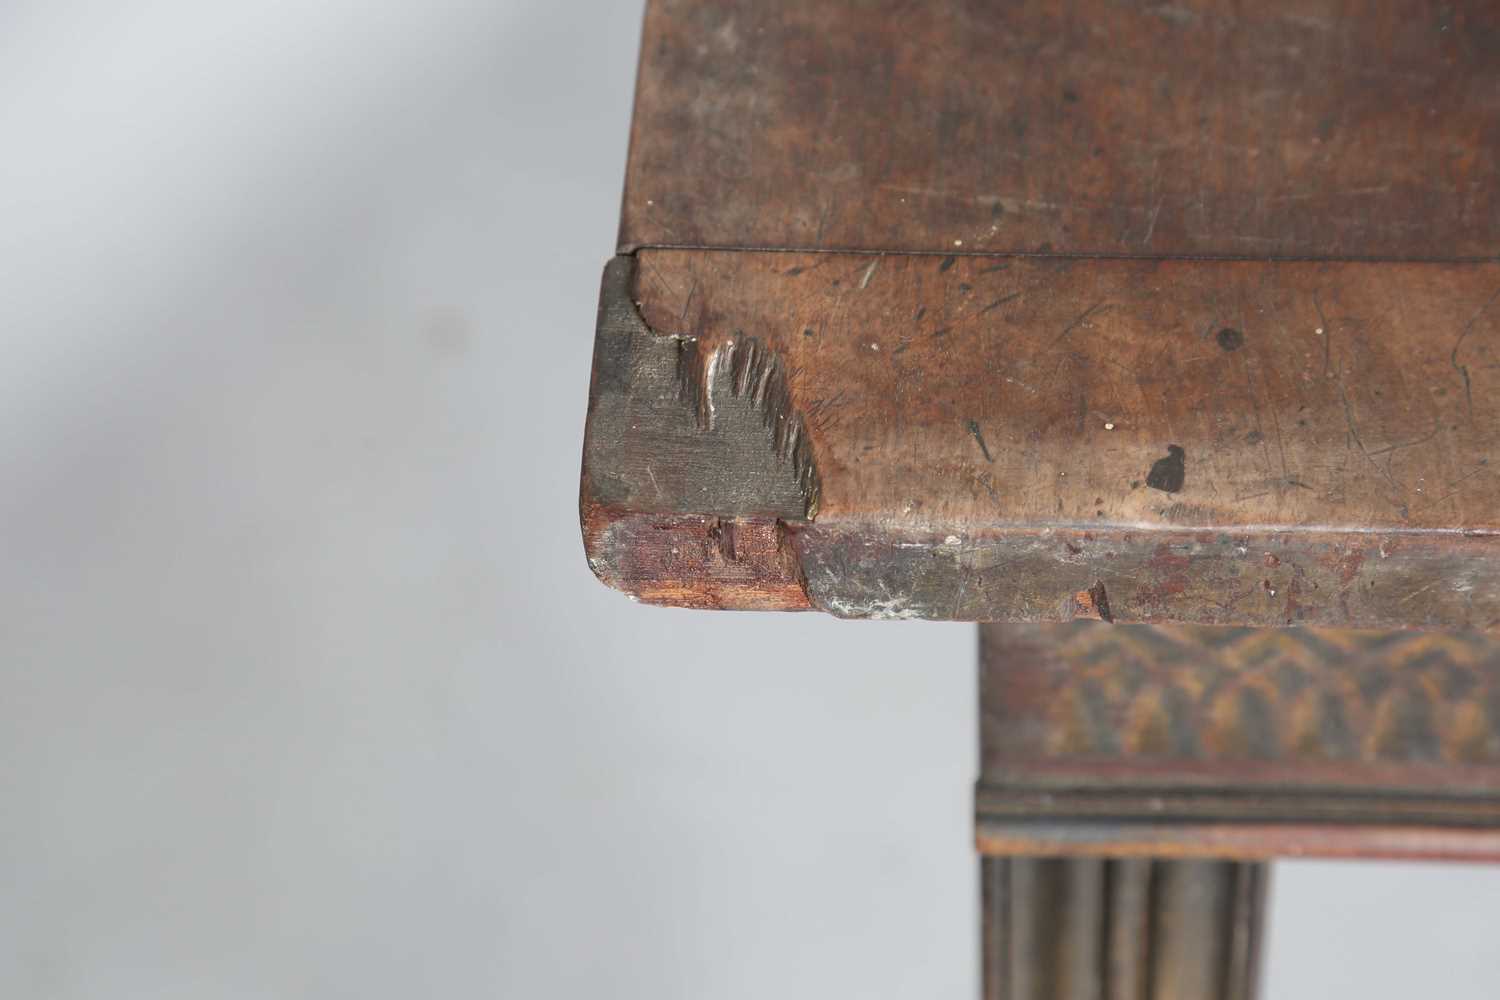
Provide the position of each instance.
(1104, 317)
(694, 461)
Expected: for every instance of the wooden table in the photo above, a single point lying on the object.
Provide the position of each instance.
(1180, 319)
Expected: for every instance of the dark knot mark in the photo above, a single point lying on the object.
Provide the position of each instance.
(1167, 474)
(1230, 339)
(979, 438)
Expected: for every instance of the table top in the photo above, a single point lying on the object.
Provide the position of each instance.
(1171, 313)
(1286, 128)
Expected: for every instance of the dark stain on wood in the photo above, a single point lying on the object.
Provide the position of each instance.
(1230, 339)
(1168, 474)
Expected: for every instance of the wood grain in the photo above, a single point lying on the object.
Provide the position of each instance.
(991, 438)
(1283, 128)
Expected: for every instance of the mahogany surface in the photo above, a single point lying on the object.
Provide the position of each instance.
(1014, 312)
(1281, 128)
(982, 438)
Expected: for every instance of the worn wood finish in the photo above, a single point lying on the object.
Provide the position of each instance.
(1301, 128)
(1122, 929)
(1158, 313)
(1027, 439)
(1238, 742)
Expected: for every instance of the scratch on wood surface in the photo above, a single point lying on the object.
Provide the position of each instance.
(1151, 226)
(979, 439)
(657, 276)
(1023, 385)
(1437, 427)
(1454, 487)
(1419, 591)
(963, 579)
(1000, 302)
(1347, 193)
(987, 481)
(1327, 332)
(1280, 445)
(1359, 443)
(1463, 370)
(974, 314)
(1082, 318)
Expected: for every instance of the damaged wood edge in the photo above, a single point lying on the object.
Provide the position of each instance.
(697, 428)
(695, 561)
(755, 373)
(696, 463)
(741, 364)
(1127, 575)
(1093, 603)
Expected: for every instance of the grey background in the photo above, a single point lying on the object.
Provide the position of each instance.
(305, 690)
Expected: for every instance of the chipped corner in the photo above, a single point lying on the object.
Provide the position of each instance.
(1092, 603)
